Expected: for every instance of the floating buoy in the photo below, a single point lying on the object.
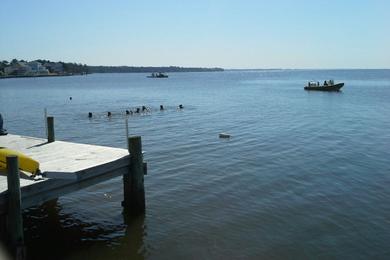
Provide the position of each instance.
(224, 135)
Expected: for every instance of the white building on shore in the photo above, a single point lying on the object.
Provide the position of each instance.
(21, 68)
(17, 68)
(37, 68)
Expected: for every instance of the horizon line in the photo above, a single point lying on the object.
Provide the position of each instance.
(212, 67)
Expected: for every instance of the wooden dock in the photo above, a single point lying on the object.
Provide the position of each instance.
(68, 167)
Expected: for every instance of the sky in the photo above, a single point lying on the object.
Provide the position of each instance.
(247, 34)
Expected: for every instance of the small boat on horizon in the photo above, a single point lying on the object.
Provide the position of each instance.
(328, 85)
(158, 75)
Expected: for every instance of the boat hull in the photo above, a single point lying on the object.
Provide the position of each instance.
(335, 87)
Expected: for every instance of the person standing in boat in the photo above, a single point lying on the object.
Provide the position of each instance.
(325, 83)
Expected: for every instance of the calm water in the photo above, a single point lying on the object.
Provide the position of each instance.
(306, 175)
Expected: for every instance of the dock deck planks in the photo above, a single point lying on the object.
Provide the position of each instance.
(69, 167)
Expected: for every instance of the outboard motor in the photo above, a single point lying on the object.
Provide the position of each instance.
(2, 130)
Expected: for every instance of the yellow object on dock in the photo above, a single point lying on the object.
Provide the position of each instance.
(26, 163)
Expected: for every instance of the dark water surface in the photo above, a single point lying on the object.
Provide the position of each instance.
(306, 175)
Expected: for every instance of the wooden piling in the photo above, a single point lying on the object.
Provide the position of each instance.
(14, 218)
(3, 227)
(45, 119)
(133, 182)
(50, 129)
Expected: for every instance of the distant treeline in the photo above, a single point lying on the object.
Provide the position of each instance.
(131, 69)
(60, 67)
(70, 68)
(23, 68)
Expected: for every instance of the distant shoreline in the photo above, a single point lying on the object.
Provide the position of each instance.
(38, 76)
(103, 72)
(192, 70)
(132, 69)
(118, 69)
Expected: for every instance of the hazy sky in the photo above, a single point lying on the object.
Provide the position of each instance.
(207, 33)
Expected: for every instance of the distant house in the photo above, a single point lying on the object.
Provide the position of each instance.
(37, 68)
(9, 70)
(55, 67)
(18, 68)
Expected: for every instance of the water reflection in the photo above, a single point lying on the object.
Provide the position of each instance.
(132, 244)
(52, 234)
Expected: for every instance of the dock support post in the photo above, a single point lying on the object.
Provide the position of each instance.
(50, 129)
(3, 227)
(14, 219)
(133, 182)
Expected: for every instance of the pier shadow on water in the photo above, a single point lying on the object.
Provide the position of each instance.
(52, 234)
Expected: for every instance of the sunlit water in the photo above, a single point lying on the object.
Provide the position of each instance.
(305, 175)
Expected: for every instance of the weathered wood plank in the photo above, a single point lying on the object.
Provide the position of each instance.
(97, 170)
(53, 188)
(65, 187)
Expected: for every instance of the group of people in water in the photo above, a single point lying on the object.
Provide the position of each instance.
(137, 110)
